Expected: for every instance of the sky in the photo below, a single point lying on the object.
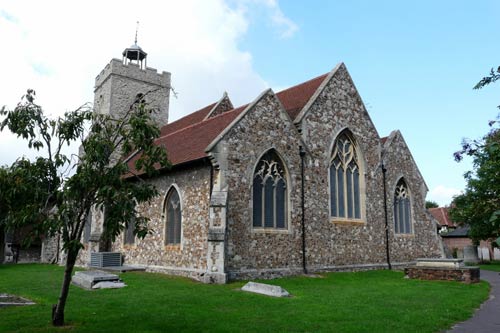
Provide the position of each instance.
(413, 63)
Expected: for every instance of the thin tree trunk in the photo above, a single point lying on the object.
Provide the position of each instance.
(58, 309)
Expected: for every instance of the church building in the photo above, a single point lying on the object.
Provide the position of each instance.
(294, 181)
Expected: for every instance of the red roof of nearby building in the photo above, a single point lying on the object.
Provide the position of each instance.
(187, 138)
(441, 214)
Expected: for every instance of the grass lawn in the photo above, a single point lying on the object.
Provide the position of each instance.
(373, 301)
(491, 266)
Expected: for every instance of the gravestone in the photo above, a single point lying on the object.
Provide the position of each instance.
(485, 254)
(496, 253)
(87, 279)
(470, 254)
(265, 289)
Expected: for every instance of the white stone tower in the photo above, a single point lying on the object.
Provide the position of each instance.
(116, 88)
(121, 81)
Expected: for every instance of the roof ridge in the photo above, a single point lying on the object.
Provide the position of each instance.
(189, 114)
(199, 123)
(301, 83)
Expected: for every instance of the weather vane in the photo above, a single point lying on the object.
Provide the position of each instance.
(136, 30)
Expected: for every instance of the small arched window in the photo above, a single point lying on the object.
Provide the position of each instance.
(345, 196)
(88, 227)
(173, 217)
(129, 236)
(402, 209)
(270, 193)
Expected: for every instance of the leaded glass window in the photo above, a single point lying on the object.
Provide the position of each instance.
(87, 228)
(402, 209)
(269, 193)
(345, 196)
(129, 237)
(174, 217)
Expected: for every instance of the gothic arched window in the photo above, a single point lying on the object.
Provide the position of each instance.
(345, 196)
(173, 217)
(129, 236)
(88, 227)
(270, 193)
(402, 211)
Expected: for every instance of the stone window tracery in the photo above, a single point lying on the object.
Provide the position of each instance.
(270, 193)
(345, 196)
(402, 209)
(173, 218)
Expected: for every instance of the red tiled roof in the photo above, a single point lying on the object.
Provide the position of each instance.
(187, 138)
(188, 144)
(441, 214)
(186, 121)
(296, 97)
(384, 139)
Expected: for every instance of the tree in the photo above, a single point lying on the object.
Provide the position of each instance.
(431, 204)
(479, 206)
(55, 193)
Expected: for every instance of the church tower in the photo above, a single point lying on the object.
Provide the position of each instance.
(122, 81)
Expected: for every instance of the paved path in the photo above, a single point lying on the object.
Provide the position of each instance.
(487, 318)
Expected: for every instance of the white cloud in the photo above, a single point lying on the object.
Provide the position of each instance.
(287, 27)
(443, 195)
(58, 47)
(283, 26)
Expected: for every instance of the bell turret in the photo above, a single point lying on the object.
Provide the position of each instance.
(135, 54)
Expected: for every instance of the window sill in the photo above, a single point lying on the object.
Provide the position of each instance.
(348, 222)
(270, 231)
(412, 235)
(173, 247)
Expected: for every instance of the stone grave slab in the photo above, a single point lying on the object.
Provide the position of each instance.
(109, 285)
(13, 300)
(265, 289)
(87, 279)
(440, 262)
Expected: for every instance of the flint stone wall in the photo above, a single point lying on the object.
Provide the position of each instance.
(423, 242)
(331, 244)
(50, 250)
(188, 258)
(117, 86)
(262, 128)
(151, 253)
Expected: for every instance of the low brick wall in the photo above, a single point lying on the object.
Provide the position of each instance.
(462, 274)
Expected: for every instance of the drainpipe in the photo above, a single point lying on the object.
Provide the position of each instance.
(384, 170)
(211, 180)
(302, 154)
